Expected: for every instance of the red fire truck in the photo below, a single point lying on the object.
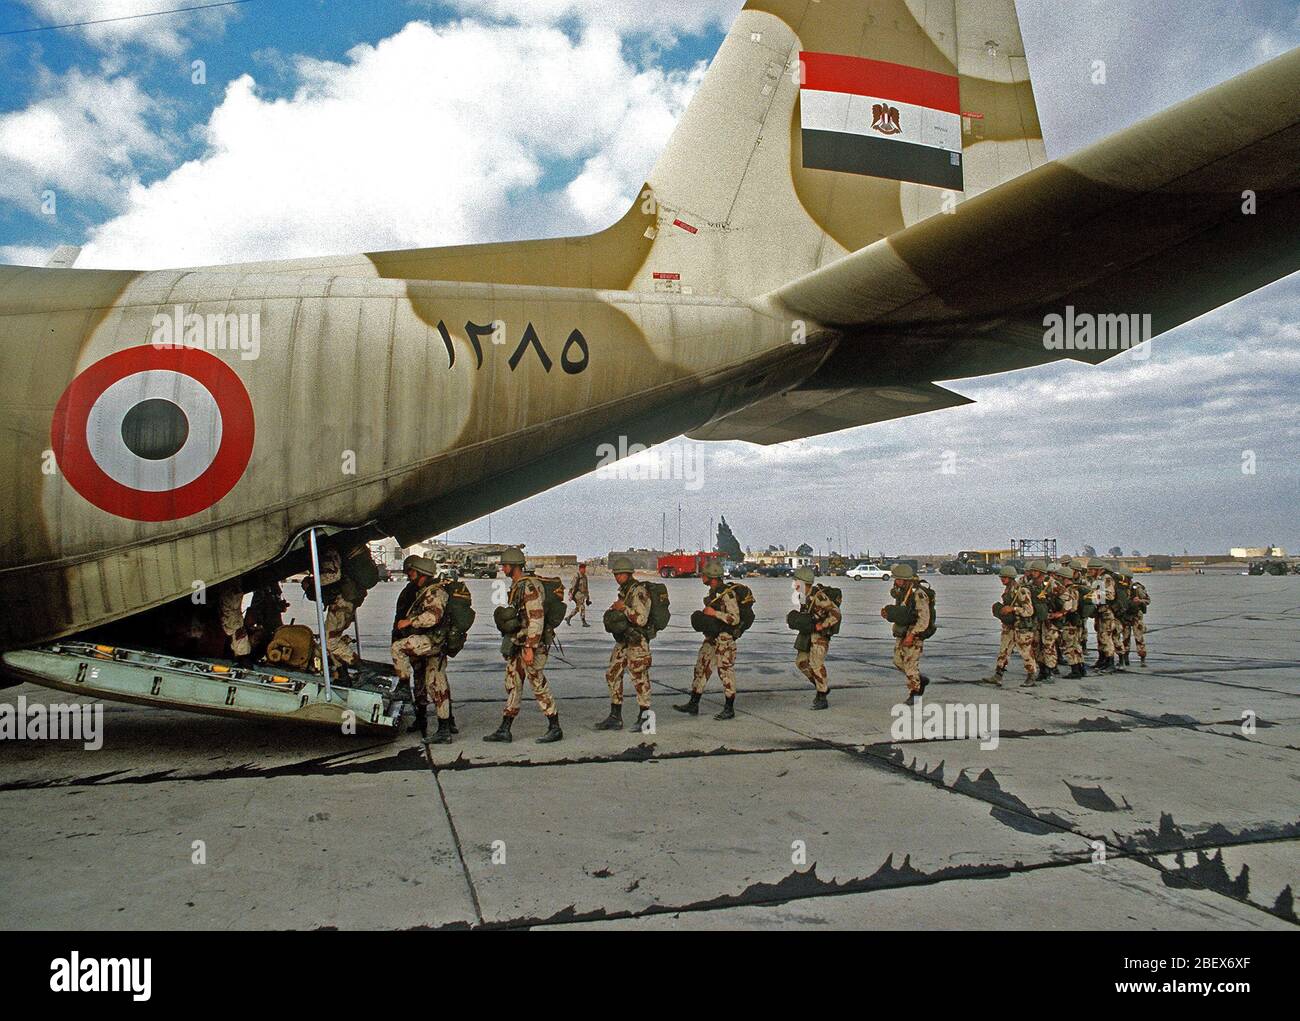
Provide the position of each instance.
(684, 565)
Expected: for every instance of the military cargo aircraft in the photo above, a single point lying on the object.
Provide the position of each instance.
(856, 203)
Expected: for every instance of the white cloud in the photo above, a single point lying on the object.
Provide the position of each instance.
(407, 143)
(82, 139)
(119, 24)
(668, 17)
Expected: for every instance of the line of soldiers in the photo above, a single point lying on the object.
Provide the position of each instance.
(1044, 616)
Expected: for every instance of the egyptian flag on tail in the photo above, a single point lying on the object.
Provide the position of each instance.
(870, 117)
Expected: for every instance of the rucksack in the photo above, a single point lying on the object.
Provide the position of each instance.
(360, 566)
(1122, 594)
(553, 601)
(837, 597)
(745, 597)
(659, 611)
(291, 647)
(934, 613)
(459, 615)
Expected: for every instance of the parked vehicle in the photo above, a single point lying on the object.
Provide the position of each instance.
(684, 565)
(873, 572)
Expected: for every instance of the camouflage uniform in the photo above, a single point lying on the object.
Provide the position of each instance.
(825, 615)
(1135, 627)
(528, 597)
(580, 593)
(1104, 623)
(907, 658)
(719, 652)
(425, 614)
(1071, 624)
(1007, 639)
(1046, 591)
(1026, 629)
(633, 655)
(230, 601)
(339, 616)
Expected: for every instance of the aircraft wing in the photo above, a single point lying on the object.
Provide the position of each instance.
(1171, 218)
(799, 413)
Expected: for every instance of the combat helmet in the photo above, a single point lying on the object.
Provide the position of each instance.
(806, 575)
(713, 569)
(902, 572)
(1008, 572)
(423, 565)
(513, 558)
(622, 565)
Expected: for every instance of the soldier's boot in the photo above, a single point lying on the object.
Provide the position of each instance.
(553, 731)
(451, 723)
(443, 734)
(819, 701)
(1124, 659)
(421, 721)
(502, 733)
(1042, 673)
(925, 683)
(1101, 661)
(585, 624)
(1076, 670)
(614, 721)
(994, 678)
(1030, 681)
(1142, 659)
(691, 707)
(728, 710)
(642, 716)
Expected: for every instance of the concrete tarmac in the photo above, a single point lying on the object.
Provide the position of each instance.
(1164, 797)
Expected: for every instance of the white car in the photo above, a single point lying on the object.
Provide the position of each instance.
(871, 571)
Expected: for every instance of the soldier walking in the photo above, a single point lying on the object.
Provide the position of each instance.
(525, 651)
(911, 617)
(1008, 639)
(1020, 611)
(419, 649)
(1071, 622)
(718, 649)
(1134, 623)
(580, 593)
(628, 620)
(823, 617)
(1103, 597)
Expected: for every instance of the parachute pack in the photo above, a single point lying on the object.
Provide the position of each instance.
(459, 616)
(836, 596)
(553, 601)
(744, 597)
(660, 614)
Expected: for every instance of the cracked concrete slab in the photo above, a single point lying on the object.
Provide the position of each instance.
(306, 828)
(348, 852)
(1119, 896)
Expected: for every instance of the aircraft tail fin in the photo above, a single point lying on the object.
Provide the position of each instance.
(821, 128)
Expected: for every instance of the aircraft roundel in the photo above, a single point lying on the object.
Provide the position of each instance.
(154, 433)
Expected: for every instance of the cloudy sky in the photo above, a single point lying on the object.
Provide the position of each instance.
(313, 127)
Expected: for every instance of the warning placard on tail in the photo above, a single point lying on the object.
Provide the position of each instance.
(880, 119)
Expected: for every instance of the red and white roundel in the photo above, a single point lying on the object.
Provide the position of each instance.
(154, 434)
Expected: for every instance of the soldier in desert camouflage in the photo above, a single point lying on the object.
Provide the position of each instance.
(1008, 640)
(631, 654)
(1104, 624)
(826, 616)
(580, 593)
(526, 650)
(419, 653)
(1071, 624)
(1135, 625)
(1020, 611)
(718, 649)
(911, 616)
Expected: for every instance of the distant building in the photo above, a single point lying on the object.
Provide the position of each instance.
(1253, 552)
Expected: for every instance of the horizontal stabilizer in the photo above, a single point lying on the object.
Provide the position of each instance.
(799, 413)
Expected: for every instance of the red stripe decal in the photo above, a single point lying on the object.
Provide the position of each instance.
(834, 72)
(668, 276)
(686, 227)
